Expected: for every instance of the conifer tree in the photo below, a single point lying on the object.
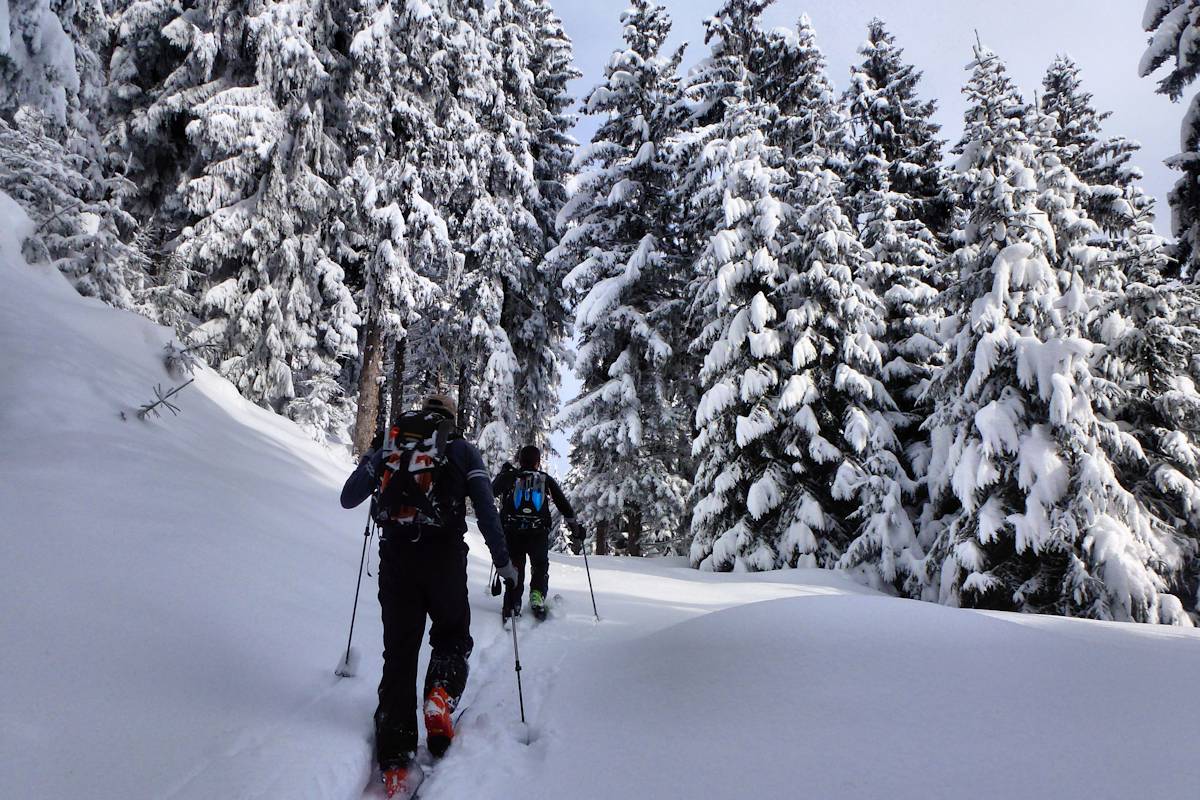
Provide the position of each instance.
(714, 94)
(277, 307)
(805, 113)
(486, 184)
(38, 63)
(742, 479)
(895, 183)
(1150, 335)
(626, 419)
(396, 241)
(733, 35)
(849, 499)
(1104, 163)
(794, 426)
(79, 230)
(1172, 25)
(1022, 454)
(540, 314)
(53, 162)
(891, 123)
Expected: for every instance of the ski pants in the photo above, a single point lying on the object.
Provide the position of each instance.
(532, 542)
(416, 580)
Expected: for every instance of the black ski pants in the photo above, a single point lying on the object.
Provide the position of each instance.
(427, 578)
(533, 543)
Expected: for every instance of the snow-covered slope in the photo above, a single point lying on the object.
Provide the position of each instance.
(175, 595)
(175, 592)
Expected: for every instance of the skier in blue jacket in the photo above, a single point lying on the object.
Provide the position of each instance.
(525, 514)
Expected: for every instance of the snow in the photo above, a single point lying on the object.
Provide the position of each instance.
(177, 593)
(822, 713)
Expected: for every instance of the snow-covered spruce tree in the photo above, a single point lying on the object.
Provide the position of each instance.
(889, 120)
(742, 478)
(540, 315)
(1036, 517)
(165, 62)
(847, 502)
(851, 483)
(77, 227)
(1172, 25)
(482, 192)
(393, 239)
(792, 434)
(895, 184)
(448, 346)
(277, 307)
(530, 63)
(51, 102)
(1115, 198)
(625, 421)
(1151, 336)
(805, 114)
(733, 35)
(1146, 322)
(712, 91)
(38, 65)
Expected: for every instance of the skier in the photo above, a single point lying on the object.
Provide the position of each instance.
(420, 478)
(525, 515)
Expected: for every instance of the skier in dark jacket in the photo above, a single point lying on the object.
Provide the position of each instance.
(423, 572)
(525, 515)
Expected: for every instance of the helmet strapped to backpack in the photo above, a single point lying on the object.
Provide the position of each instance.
(417, 452)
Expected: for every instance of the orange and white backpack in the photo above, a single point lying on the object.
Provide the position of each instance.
(416, 455)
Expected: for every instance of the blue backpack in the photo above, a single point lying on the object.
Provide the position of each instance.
(527, 500)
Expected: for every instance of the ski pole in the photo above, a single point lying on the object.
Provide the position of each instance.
(589, 574)
(517, 661)
(345, 668)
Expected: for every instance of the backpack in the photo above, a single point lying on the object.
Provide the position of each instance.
(407, 490)
(526, 501)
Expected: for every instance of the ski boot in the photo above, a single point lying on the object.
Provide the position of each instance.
(400, 780)
(537, 602)
(439, 720)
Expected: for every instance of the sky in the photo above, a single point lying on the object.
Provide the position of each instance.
(1104, 37)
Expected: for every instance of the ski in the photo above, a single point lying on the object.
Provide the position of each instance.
(434, 759)
(420, 769)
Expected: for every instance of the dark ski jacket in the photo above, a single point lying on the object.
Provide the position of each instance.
(463, 476)
(502, 487)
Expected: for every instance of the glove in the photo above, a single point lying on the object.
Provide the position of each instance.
(374, 462)
(508, 574)
(575, 526)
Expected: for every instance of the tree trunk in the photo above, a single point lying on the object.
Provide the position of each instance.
(602, 537)
(464, 396)
(398, 357)
(634, 547)
(367, 420)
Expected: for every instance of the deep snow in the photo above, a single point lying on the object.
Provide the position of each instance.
(176, 594)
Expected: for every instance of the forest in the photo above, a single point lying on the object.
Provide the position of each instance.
(810, 331)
